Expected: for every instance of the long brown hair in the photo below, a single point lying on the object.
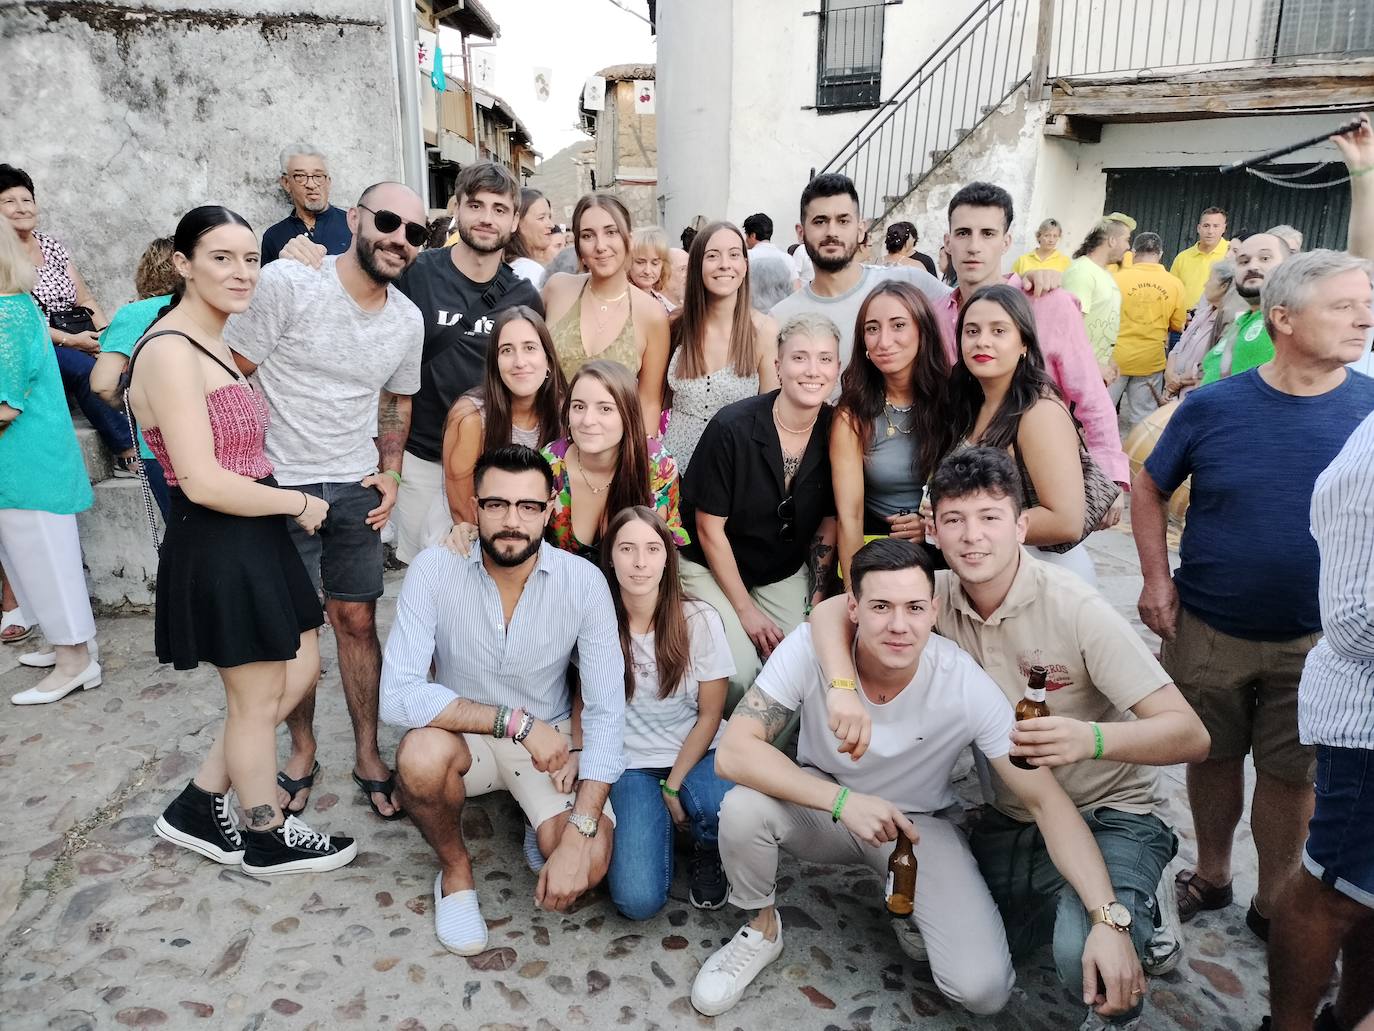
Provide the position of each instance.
(688, 328)
(620, 215)
(672, 641)
(495, 395)
(630, 481)
(517, 247)
(863, 395)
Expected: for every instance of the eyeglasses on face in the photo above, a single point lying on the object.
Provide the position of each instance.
(305, 178)
(527, 508)
(389, 222)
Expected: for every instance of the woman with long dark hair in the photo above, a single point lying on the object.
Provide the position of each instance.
(528, 251)
(891, 427)
(1002, 397)
(606, 463)
(723, 350)
(600, 315)
(231, 588)
(520, 401)
(677, 663)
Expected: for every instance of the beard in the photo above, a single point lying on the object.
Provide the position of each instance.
(465, 234)
(367, 260)
(509, 559)
(1250, 288)
(831, 264)
(316, 207)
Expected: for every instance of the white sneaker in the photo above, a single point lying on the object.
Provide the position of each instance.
(1095, 1023)
(458, 920)
(725, 976)
(1165, 950)
(85, 680)
(909, 939)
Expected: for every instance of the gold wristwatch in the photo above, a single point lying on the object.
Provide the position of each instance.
(583, 824)
(1114, 914)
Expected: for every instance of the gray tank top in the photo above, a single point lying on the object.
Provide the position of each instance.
(889, 487)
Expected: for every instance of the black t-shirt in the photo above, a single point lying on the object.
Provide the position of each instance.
(458, 317)
(736, 472)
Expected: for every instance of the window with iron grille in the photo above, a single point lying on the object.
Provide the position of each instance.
(849, 63)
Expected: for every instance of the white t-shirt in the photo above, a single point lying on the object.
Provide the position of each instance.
(656, 727)
(950, 704)
(321, 362)
(766, 249)
(528, 268)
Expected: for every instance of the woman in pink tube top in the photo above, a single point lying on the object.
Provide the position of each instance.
(231, 589)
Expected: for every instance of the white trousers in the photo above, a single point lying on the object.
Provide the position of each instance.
(422, 483)
(1077, 559)
(41, 553)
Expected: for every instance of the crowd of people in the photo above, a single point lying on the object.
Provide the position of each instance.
(690, 570)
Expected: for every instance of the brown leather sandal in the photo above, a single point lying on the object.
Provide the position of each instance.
(1196, 895)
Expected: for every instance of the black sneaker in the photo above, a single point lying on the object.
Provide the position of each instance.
(204, 822)
(295, 848)
(709, 888)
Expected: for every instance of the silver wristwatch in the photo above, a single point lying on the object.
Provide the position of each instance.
(584, 825)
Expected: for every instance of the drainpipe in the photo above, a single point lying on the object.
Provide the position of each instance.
(414, 163)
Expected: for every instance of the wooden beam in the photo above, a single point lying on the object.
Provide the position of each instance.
(1148, 109)
(1044, 39)
(1073, 129)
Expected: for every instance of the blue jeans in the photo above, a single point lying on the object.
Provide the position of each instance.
(112, 426)
(642, 860)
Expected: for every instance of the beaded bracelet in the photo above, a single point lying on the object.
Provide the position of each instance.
(670, 792)
(498, 728)
(838, 807)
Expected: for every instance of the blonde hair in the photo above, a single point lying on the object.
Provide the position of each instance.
(653, 238)
(16, 267)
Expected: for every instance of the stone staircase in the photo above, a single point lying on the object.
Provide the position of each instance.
(121, 564)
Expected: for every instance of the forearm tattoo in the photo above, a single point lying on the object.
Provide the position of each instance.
(759, 705)
(259, 816)
(393, 429)
(820, 564)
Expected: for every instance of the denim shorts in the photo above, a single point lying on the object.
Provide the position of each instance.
(344, 556)
(1340, 838)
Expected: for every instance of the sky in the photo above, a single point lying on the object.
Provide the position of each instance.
(573, 38)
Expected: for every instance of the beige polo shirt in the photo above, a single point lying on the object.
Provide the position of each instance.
(1098, 668)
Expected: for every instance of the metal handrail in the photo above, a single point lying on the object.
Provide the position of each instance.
(938, 105)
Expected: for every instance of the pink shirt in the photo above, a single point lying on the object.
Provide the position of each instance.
(1071, 364)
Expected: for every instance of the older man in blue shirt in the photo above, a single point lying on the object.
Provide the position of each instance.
(501, 626)
(305, 178)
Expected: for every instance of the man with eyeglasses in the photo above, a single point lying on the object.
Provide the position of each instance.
(326, 344)
(305, 178)
(501, 626)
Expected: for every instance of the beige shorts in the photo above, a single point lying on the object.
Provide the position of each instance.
(1245, 693)
(500, 764)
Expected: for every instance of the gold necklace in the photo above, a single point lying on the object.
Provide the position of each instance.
(583, 472)
(892, 428)
(605, 302)
(783, 426)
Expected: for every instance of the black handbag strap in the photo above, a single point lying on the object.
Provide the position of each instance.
(133, 357)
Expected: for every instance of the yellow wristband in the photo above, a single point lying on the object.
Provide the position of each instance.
(843, 684)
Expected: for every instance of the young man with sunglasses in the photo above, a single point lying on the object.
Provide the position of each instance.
(500, 626)
(325, 344)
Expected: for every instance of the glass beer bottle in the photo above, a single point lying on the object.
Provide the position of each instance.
(1030, 707)
(901, 877)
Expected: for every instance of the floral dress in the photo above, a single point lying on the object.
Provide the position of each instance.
(663, 482)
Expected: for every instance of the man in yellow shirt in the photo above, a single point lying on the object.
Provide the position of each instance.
(1194, 265)
(1151, 307)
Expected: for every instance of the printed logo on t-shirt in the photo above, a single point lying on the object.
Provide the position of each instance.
(482, 327)
(1253, 331)
(1058, 677)
(449, 318)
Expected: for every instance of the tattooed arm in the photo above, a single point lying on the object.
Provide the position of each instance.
(393, 429)
(820, 562)
(746, 754)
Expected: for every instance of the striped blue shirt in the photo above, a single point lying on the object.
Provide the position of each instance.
(450, 610)
(1336, 698)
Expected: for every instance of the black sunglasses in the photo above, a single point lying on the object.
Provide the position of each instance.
(389, 222)
(787, 512)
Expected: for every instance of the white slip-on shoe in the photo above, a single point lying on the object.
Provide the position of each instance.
(47, 660)
(724, 977)
(85, 680)
(458, 920)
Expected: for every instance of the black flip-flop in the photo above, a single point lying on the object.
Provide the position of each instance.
(294, 786)
(378, 787)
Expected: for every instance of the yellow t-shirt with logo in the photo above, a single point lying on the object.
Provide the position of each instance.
(1151, 306)
(1193, 268)
(1030, 262)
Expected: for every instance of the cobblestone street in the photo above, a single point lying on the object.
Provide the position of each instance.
(106, 926)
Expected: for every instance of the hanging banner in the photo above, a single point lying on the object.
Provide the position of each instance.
(483, 70)
(594, 93)
(644, 96)
(437, 78)
(543, 83)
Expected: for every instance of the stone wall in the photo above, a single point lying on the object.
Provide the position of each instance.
(128, 115)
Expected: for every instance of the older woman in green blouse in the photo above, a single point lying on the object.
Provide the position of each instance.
(43, 485)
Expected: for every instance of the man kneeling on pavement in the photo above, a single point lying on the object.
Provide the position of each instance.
(1011, 612)
(927, 700)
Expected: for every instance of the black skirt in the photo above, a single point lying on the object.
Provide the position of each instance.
(230, 589)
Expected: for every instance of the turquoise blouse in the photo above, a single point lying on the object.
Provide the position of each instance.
(40, 461)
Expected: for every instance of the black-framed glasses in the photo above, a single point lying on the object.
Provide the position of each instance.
(527, 508)
(787, 512)
(305, 178)
(389, 222)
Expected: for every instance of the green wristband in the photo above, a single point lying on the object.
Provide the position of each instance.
(1097, 740)
(1355, 173)
(838, 807)
(394, 475)
(670, 792)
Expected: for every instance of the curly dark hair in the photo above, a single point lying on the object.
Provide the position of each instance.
(976, 469)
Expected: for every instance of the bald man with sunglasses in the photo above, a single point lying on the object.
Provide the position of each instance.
(335, 352)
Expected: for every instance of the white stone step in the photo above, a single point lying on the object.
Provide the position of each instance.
(121, 563)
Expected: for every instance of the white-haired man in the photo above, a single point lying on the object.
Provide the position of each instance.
(305, 178)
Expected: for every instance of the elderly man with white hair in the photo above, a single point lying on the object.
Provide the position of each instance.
(1241, 613)
(305, 178)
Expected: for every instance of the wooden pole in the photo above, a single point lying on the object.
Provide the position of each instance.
(1044, 37)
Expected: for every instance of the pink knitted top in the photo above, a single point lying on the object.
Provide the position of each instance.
(238, 421)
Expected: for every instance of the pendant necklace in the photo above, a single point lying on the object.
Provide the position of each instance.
(583, 471)
(892, 427)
